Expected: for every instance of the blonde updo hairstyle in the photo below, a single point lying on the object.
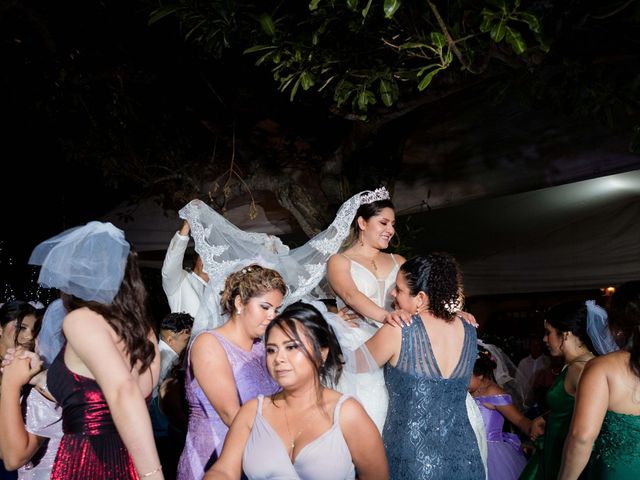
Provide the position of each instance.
(249, 282)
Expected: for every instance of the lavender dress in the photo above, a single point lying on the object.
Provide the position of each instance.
(207, 431)
(506, 460)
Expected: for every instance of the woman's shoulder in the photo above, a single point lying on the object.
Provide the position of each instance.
(84, 315)
(339, 259)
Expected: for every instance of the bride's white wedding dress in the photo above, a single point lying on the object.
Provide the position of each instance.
(370, 389)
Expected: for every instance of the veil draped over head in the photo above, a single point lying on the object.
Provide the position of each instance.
(224, 249)
(88, 262)
(505, 373)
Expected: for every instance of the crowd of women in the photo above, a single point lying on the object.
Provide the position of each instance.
(393, 384)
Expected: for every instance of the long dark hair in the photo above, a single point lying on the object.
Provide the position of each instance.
(624, 320)
(438, 276)
(319, 334)
(127, 315)
(16, 310)
(571, 317)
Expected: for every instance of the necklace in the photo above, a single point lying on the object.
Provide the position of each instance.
(582, 358)
(292, 440)
(374, 265)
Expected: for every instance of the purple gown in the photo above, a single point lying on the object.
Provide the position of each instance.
(505, 458)
(206, 431)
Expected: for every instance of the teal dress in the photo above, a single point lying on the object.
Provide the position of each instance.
(545, 462)
(427, 433)
(616, 453)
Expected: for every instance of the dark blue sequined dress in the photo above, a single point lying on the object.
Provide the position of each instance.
(427, 433)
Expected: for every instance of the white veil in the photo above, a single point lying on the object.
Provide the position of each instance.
(505, 373)
(224, 248)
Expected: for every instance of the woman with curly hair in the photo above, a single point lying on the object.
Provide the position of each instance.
(226, 367)
(427, 433)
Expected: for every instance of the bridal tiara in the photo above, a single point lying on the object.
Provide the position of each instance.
(378, 194)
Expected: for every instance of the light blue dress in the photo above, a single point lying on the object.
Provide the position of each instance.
(427, 433)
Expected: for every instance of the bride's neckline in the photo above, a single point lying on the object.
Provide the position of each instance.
(384, 279)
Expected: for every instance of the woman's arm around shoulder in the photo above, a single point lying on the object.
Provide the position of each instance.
(229, 465)
(213, 372)
(364, 442)
(92, 341)
(592, 402)
(385, 345)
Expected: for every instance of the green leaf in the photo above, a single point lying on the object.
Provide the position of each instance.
(447, 59)
(424, 83)
(160, 13)
(389, 91)
(294, 90)
(267, 25)
(362, 100)
(529, 19)
(516, 41)
(264, 57)
(409, 45)
(426, 67)
(390, 7)
(438, 39)
(352, 5)
(365, 11)
(313, 5)
(306, 80)
(343, 91)
(498, 31)
(259, 48)
(487, 19)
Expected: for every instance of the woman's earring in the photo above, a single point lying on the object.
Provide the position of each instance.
(239, 311)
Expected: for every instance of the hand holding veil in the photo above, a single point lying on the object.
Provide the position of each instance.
(224, 248)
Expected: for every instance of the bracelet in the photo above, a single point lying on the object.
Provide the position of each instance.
(148, 474)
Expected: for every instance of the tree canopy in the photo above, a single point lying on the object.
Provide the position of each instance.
(308, 100)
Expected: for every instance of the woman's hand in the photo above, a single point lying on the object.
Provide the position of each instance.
(349, 316)
(467, 317)
(397, 318)
(537, 428)
(19, 365)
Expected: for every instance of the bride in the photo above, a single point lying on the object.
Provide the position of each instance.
(362, 276)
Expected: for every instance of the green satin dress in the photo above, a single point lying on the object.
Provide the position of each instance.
(616, 453)
(545, 463)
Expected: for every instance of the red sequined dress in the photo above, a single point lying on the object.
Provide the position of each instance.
(91, 448)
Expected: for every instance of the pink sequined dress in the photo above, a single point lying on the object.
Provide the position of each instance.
(91, 448)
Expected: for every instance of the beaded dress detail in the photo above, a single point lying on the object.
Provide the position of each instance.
(427, 434)
(616, 453)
